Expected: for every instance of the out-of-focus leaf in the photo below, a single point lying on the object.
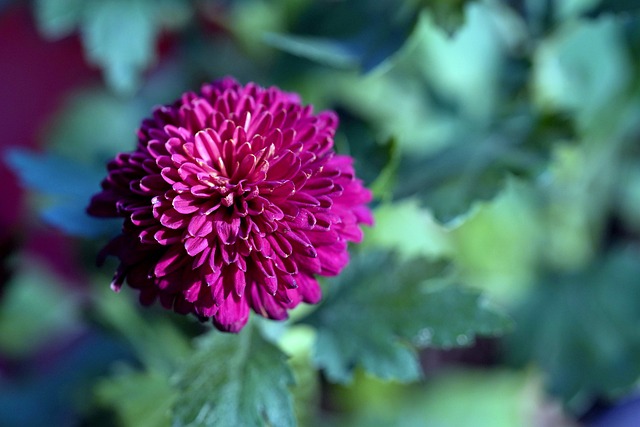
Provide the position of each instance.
(35, 308)
(119, 36)
(616, 6)
(141, 399)
(466, 68)
(158, 343)
(582, 69)
(52, 174)
(490, 398)
(324, 51)
(580, 328)
(497, 244)
(409, 230)
(93, 125)
(398, 108)
(474, 167)
(57, 18)
(375, 161)
(362, 34)
(234, 380)
(438, 99)
(67, 184)
(629, 197)
(447, 14)
(52, 389)
(567, 9)
(572, 215)
(378, 309)
(297, 343)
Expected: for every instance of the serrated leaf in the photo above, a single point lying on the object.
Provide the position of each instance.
(379, 309)
(235, 380)
(580, 328)
(140, 399)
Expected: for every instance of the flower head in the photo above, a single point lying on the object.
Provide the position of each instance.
(233, 199)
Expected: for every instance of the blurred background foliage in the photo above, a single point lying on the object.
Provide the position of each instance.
(499, 287)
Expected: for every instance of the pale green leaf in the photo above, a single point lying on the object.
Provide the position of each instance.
(57, 18)
(119, 37)
(410, 230)
(582, 68)
(497, 244)
(490, 398)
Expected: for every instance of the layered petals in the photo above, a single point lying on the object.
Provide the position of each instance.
(232, 201)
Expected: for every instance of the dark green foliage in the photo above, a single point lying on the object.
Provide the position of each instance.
(380, 309)
(581, 328)
(234, 380)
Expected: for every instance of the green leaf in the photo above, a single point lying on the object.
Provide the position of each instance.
(325, 51)
(68, 185)
(140, 399)
(447, 14)
(410, 230)
(581, 329)
(93, 125)
(617, 6)
(474, 167)
(584, 68)
(119, 36)
(568, 9)
(57, 18)
(490, 398)
(497, 244)
(159, 344)
(379, 308)
(235, 380)
(35, 308)
(360, 33)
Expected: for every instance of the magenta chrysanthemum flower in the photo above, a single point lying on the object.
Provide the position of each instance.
(233, 199)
